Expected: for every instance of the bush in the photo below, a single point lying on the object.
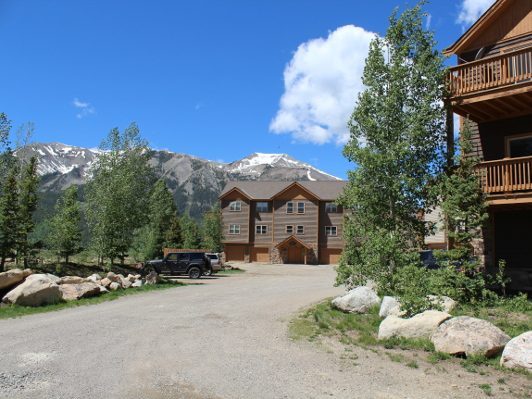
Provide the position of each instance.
(412, 286)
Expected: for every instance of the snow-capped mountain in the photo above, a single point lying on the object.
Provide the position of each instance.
(195, 182)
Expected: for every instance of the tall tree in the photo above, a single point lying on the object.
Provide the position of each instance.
(212, 230)
(9, 209)
(29, 184)
(190, 232)
(397, 139)
(65, 226)
(117, 195)
(161, 217)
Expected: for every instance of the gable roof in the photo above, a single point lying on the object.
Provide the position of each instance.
(257, 190)
(292, 238)
(478, 27)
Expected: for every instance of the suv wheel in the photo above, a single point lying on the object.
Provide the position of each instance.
(208, 272)
(194, 272)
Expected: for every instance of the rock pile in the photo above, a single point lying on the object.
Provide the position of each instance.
(28, 289)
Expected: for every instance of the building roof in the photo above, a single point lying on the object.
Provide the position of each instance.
(478, 27)
(257, 190)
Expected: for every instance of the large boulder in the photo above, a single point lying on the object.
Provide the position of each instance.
(105, 282)
(421, 325)
(95, 278)
(447, 304)
(124, 282)
(111, 276)
(136, 284)
(152, 278)
(36, 290)
(49, 276)
(11, 278)
(114, 286)
(358, 300)
(390, 306)
(518, 352)
(466, 335)
(71, 280)
(72, 292)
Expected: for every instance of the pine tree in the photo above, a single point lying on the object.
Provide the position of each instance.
(463, 201)
(173, 237)
(190, 232)
(9, 209)
(65, 234)
(212, 230)
(397, 138)
(27, 205)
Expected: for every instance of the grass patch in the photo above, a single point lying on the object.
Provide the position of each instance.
(513, 323)
(486, 388)
(231, 271)
(436, 357)
(12, 311)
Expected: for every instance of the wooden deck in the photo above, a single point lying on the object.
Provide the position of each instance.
(491, 73)
(507, 175)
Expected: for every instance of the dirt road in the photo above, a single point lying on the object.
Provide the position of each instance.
(225, 338)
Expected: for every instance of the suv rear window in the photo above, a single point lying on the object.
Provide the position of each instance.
(196, 255)
(213, 256)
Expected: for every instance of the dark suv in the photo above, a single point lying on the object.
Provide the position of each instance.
(195, 264)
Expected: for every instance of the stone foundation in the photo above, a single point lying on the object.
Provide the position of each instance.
(275, 256)
(312, 255)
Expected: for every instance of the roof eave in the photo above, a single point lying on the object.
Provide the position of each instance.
(469, 34)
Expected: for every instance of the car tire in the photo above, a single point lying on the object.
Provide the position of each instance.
(194, 272)
(208, 272)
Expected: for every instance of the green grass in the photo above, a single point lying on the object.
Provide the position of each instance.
(231, 271)
(486, 388)
(322, 320)
(511, 322)
(18, 311)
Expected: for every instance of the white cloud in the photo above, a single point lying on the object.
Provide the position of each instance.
(322, 82)
(471, 10)
(84, 108)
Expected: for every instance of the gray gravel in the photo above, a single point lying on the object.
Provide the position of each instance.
(223, 338)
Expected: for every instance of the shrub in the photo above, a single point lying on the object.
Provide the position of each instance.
(412, 286)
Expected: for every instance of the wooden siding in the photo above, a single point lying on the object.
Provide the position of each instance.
(261, 218)
(309, 219)
(516, 21)
(241, 218)
(331, 219)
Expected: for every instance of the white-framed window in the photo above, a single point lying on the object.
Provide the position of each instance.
(235, 206)
(234, 229)
(289, 229)
(300, 230)
(261, 229)
(262, 207)
(300, 207)
(331, 207)
(331, 231)
(289, 207)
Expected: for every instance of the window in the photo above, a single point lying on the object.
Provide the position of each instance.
(330, 207)
(300, 207)
(519, 146)
(172, 257)
(197, 255)
(234, 229)
(289, 229)
(262, 207)
(261, 229)
(300, 230)
(235, 206)
(289, 207)
(330, 231)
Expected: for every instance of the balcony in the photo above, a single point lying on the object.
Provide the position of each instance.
(506, 176)
(494, 87)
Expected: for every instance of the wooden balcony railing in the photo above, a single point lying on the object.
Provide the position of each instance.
(492, 72)
(506, 175)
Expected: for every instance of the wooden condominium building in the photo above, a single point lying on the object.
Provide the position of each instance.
(282, 222)
(492, 87)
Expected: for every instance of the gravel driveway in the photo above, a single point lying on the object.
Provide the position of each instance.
(224, 338)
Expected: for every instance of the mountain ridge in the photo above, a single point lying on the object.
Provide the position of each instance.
(195, 182)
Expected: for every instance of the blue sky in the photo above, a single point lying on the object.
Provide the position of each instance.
(199, 77)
